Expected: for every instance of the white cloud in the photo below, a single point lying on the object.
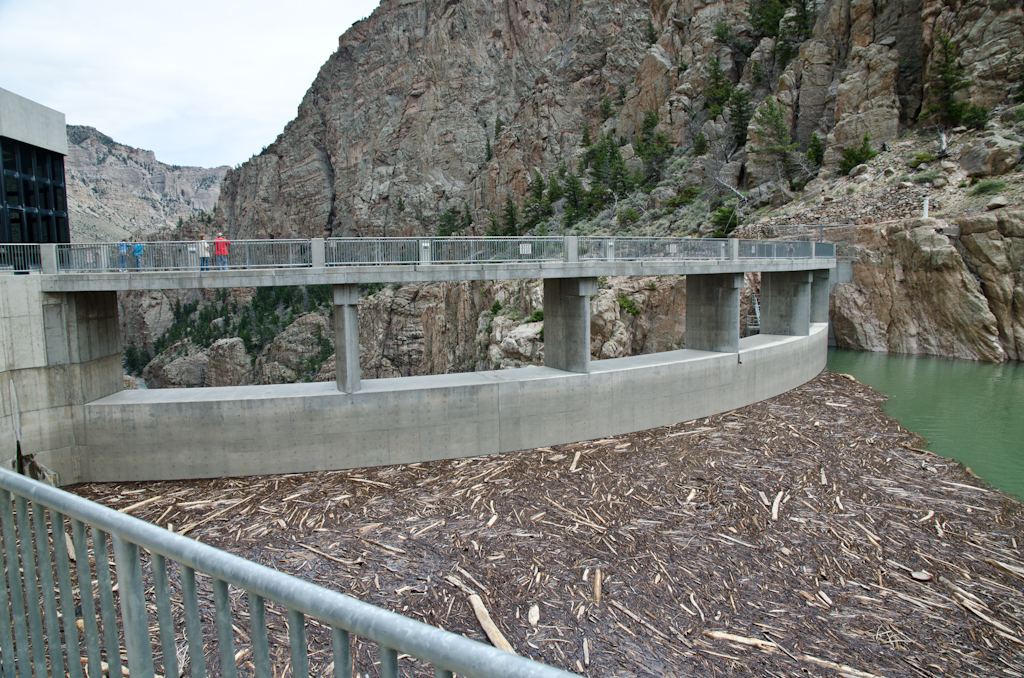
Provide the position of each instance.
(199, 83)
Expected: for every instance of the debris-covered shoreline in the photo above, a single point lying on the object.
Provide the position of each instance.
(803, 535)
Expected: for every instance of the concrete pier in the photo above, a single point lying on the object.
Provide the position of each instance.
(786, 303)
(713, 312)
(346, 337)
(820, 287)
(567, 323)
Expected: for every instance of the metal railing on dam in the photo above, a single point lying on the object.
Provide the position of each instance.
(263, 254)
(53, 541)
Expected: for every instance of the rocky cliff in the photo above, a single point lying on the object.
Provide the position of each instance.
(397, 125)
(117, 191)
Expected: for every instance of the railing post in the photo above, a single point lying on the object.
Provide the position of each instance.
(48, 258)
(318, 252)
(571, 253)
(734, 249)
(424, 251)
(134, 616)
(609, 250)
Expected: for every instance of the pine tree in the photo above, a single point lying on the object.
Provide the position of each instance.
(774, 141)
(498, 125)
(652, 147)
(488, 153)
(510, 218)
(815, 150)
(948, 79)
(651, 34)
(764, 17)
(554, 189)
(718, 91)
(739, 115)
(700, 144)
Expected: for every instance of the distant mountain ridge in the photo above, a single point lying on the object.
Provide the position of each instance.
(117, 191)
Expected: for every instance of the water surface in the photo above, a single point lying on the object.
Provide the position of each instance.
(969, 411)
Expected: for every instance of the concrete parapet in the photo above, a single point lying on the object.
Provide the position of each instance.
(786, 303)
(713, 312)
(567, 323)
(213, 432)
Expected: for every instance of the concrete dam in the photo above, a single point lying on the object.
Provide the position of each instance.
(60, 356)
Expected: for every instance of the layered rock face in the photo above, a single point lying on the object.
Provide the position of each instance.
(394, 129)
(915, 290)
(117, 191)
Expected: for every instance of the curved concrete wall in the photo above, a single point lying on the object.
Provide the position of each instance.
(252, 430)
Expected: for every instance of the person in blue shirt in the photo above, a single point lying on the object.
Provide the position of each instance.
(137, 255)
(123, 247)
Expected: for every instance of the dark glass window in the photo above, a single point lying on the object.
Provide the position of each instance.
(26, 160)
(11, 193)
(17, 226)
(31, 227)
(45, 196)
(42, 165)
(28, 192)
(33, 196)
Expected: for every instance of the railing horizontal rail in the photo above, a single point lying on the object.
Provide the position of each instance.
(495, 250)
(261, 254)
(392, 632)
(372, 251)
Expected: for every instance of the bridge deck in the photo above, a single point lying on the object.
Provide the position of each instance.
(341, 275)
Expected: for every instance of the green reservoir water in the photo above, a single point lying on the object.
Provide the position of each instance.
(969, 411)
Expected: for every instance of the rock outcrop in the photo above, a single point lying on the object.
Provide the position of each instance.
(913, 293)
(116, 191)
(183, 365)
(229, 363)
(990, 155)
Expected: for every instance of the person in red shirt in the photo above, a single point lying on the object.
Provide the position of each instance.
(220, 251)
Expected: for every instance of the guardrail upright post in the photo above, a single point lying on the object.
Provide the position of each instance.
(734, 249)
(48, 258)
(318, 254)
(424, 251)
(609, 250)
(133, 608)
(571, 253)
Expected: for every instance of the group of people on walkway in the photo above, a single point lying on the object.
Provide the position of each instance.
(133, 254)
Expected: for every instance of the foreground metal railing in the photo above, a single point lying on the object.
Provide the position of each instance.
(155, 603)
(19, 258)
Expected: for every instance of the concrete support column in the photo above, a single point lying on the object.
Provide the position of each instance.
(786, 303)
(713, 312)
(567, 323)
(819, 296)
(346, 337)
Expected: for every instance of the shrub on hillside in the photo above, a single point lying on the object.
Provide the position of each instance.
(856, 155)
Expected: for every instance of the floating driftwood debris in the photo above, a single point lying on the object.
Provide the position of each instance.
(804, 535)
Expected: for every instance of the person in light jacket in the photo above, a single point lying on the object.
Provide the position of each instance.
(204, 253)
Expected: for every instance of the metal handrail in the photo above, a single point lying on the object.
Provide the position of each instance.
(256, 254)
(184, 255)
(19, 257)
(393, 633)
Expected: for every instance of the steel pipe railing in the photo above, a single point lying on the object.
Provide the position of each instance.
(19, 257)
(38, 520)
(257, 254)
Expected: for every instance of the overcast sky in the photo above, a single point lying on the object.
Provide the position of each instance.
(200, 82)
